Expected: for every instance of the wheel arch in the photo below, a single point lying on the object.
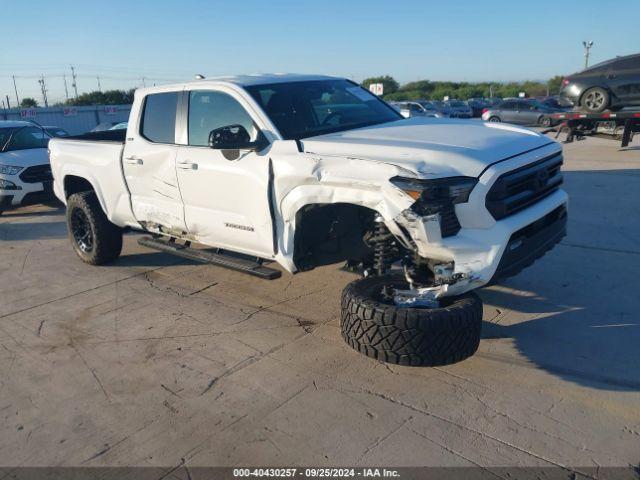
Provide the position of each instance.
(73, 183)
(307, 197)
(328, 233)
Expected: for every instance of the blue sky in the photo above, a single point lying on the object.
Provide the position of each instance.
(166, 40)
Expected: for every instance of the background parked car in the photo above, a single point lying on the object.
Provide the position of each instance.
(413, 109)
(552, 102)
(433, 110)
(440, 109)
(459, 109)
(55, 131)
(25, 173)
(101, 127)
(611, 84)
(522, 112)
(120, 126)
(477, 106)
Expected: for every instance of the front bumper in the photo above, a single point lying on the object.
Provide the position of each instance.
(486, 249)
(26, 194)
(531, 242)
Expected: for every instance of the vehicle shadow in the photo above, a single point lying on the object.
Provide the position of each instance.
(25, 231)
(575, 344)
(151, 259)
(20, 213)
(574, 312)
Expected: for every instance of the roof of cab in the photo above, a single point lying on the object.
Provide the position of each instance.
(244, 80)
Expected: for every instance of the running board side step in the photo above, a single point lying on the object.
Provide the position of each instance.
(244, 265)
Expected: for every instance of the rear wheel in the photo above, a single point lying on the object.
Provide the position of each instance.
(376, 327)
(595, 100)
(494, 119)
(94, 238)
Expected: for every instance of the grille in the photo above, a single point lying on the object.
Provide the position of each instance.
(518, 189)
(449, 224)
(39, 173)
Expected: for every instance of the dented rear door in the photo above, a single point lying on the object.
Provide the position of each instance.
(149, 164)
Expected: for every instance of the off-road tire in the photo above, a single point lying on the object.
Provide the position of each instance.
(409, 336)
(106, 237)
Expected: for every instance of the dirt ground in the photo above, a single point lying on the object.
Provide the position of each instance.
(154, 359)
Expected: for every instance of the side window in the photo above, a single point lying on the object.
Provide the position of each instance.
(159, 117)
(507, 106)
(209, 110)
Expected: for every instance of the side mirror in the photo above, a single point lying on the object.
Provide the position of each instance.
(235, 137)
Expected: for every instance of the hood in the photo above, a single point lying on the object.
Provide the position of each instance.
(25, 158)
(430, 146)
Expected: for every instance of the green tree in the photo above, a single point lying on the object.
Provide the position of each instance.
(390, 83)
(28, 102)
(109, 97)
(554, 84)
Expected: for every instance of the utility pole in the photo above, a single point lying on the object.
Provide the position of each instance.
(43, 88)
(73, 81)
(99, 87)
(144, 83)
(66, 90)
(16, 89)
(587, 47)
(8, 104)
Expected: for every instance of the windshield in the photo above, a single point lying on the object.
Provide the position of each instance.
(22, 138)
(310, 108)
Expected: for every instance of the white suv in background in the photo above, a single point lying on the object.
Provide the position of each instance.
(25, 173)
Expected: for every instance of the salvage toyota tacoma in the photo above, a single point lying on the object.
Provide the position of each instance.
(307, 171)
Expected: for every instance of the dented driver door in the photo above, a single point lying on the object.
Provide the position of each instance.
(149, 165)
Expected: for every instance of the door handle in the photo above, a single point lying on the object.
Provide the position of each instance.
(187, 165)
(133, 161)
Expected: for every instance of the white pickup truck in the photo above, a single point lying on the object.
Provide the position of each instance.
(313, 170)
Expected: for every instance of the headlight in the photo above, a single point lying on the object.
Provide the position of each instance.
(450, 190)
(9, 169)
(7, 185)
(438, 197)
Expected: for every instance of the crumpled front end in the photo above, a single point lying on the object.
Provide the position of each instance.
(512, 216)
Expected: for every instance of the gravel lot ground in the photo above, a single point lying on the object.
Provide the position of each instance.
(153, 359)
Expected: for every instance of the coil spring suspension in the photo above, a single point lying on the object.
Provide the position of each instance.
(383, 248)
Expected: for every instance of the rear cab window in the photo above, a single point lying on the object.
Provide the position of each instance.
(159, 117)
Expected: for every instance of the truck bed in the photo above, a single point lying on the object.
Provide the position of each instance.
(118, 136)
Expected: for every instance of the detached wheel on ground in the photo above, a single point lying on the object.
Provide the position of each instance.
(409, 336)
(595, 100)
(94, 238)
